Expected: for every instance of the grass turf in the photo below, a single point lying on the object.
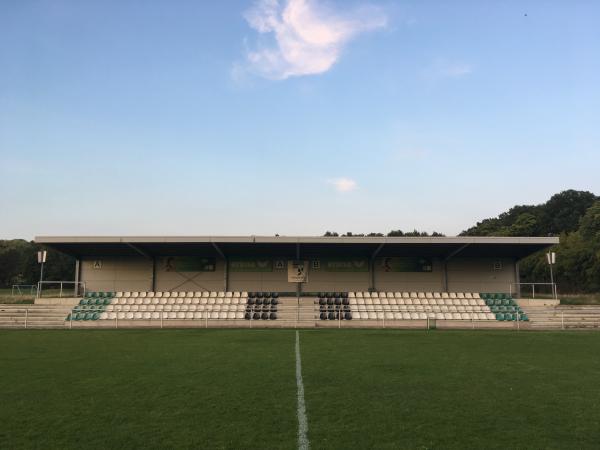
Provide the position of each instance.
(237, 389)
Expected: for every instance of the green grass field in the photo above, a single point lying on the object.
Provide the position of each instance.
(383, 389)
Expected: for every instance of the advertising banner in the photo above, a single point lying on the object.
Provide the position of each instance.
(250, 265)
(341, 264)
(189, 264)
(406, 264)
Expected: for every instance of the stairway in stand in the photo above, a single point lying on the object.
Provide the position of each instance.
(33, 316)
(294, 313)
(564, 316)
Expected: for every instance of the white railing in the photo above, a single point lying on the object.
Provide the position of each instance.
(19, 288)
(515, 288)
(77, 287)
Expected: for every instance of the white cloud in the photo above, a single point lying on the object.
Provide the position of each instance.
(442, 68)
(343, 184)
(308, 37)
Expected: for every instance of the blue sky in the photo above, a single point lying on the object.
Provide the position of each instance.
(297, 117)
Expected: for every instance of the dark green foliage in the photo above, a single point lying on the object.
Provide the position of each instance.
(562, 213)
(393, 233)
(573, 215)
(18, 264)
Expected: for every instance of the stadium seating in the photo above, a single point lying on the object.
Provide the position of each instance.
(504, 307)
(424, 305)
(261, 306)
(264, 306)
(174, 305)
(334, 306)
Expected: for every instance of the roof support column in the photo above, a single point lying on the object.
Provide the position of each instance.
(77, 276)
(444, 275)
(517, 291)
(225, 267)
(372, 266)
(298, 285)
(153, 274)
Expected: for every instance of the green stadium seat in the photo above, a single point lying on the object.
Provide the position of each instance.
(499, 316)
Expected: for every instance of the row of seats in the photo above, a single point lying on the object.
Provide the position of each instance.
(167, 308)
(189, 294)
(335, 315)
(262, 294)
(500, 302)
(417, 301)
(414, 315)
(495, 295)
(189, 315)
(263, 301)
(418, 308)
(333, 295)
(414, 295)
(98, 294)
(177, 301)
(333, 301)
(197, 315)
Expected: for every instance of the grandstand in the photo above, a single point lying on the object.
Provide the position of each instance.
(280, 281)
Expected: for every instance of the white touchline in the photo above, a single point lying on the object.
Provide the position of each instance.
(303, 443)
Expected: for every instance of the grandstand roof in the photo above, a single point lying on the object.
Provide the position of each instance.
(291, 246)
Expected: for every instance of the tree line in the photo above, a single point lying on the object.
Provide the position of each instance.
(19, 265)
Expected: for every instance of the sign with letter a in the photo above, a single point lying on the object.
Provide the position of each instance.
(297, 271)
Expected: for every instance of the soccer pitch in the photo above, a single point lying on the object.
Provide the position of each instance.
(238, 389)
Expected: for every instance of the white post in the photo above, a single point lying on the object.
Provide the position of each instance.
(71, 321)
(533, 288)
(61, 289)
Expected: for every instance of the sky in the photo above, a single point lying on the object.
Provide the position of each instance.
(291, 117)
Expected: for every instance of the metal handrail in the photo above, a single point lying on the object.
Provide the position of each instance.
(76, 285)
(32, 288)
(533, 285)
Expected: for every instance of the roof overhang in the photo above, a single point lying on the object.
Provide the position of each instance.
(286, 246)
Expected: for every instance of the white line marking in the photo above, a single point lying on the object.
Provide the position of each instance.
(303, 443)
